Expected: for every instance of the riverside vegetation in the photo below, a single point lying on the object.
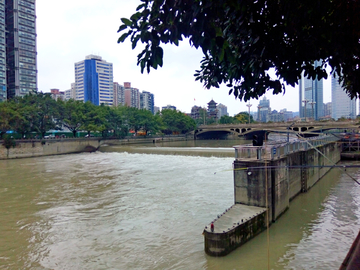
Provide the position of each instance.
(37, 113)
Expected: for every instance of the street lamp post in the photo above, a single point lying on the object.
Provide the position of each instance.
(204, 115)
(249, 105)
(312, 103)
(259, 112)
(305, 102)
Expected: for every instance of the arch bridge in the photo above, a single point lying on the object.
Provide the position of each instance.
(249, 130)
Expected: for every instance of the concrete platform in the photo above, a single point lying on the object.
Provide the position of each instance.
(234, 216)
(233, 228)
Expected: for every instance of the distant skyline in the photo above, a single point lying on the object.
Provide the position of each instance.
(67, 31)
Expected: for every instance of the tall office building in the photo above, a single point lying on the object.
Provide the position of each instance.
(264, 110)
(147, 101)
(311, 103)
(221, 110)
(169, 107)
(342, 104)
(328, 110)
(18, 71)
(94, 80)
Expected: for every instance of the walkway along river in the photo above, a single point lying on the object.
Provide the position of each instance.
(145, 207)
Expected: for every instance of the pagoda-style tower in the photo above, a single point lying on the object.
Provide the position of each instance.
(212, 109)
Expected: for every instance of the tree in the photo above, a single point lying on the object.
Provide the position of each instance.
(8, 117)
(148, 121)
(43, 111)
(115, 122)
(243, 118)
(71, 114)
(176, 122)
(92, 121)
(202, 120)
(8, 143)
(132, 117)
(243, 40)
(225, 119)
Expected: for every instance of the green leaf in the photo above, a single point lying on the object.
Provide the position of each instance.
(136, 16)
(127, 22)
(140, 7)
(122, 27)
(123, 37)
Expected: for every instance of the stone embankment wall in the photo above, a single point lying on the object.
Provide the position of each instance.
(25, 149)
(36, 148)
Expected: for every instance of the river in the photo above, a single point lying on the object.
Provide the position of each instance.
(145, 207)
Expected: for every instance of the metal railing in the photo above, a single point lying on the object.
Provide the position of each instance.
(275, 151)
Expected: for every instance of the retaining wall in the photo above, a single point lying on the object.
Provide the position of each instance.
(25, 149)
(283, 184)
(281, 179)
(48, 147)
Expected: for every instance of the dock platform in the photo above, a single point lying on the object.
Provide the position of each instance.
(233, 228)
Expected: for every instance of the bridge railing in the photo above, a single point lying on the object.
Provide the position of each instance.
(275, 151)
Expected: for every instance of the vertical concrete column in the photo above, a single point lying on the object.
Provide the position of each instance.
(250, 183)
(280, 187)
(304, 172)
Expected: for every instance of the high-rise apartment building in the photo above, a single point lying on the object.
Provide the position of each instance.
(156, 109)
(18, 69)
(70, 93)
(94, 80)
(342, 104)
(119, 94)
(3, 92)
(147, 101)
(57, 94)
(311, 97)
(132, 96)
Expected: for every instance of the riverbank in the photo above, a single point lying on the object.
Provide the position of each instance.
(50, 147)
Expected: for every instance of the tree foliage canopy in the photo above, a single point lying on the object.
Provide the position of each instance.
(38, 113)
(243, 39)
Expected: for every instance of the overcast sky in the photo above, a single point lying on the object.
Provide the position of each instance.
(69, 30)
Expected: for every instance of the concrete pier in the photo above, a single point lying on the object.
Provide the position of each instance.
(268, 178)
(233, 228)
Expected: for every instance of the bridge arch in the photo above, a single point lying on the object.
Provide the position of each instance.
(213, 134)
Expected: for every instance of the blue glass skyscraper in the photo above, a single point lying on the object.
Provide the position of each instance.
(311, 104)
(342, 104)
